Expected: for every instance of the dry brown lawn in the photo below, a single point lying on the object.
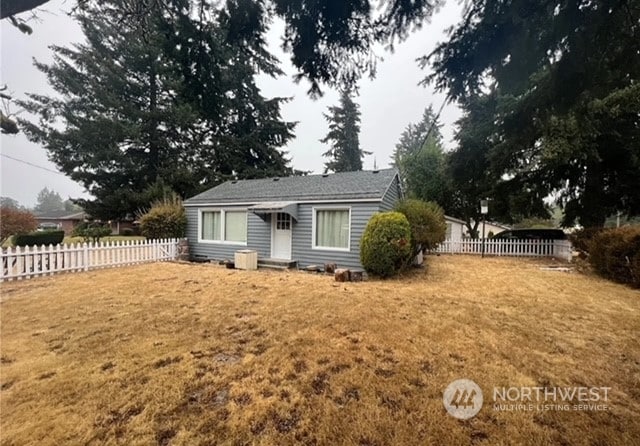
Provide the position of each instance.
(178, 354)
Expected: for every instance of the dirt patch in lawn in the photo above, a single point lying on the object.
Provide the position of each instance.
(176, 354)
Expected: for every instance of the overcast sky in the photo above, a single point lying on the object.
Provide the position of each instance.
(388, 103)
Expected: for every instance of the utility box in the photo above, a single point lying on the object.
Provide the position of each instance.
(246, 259)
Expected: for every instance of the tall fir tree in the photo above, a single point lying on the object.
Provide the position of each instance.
(345, 154)
(419, 157)
(157, 101)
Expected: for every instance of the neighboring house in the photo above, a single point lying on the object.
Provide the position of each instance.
(491, 229)
(60, 220)
(310, 220)
(455, 228)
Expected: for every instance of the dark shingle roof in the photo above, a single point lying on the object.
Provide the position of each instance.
(60, 215)
(336, 186)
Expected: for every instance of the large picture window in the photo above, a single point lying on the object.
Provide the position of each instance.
(222, 226)
(235, 226)
(331, 230)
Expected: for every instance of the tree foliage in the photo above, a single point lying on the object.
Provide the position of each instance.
(48, 200)
(15, 221)
(345, 154)
(330, 42)
(428, 226)
(420, 158)
(563, 77)
(91, 231)
(8, 202)
(163, 97)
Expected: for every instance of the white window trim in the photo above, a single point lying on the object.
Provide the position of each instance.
(314, 210)
(223, 223)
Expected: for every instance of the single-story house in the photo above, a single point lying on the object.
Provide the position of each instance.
(455, 228)
(309, 220)
(60, 220)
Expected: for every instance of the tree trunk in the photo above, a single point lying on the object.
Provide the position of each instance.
(153, 122)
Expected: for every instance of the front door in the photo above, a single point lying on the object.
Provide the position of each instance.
(281, 236)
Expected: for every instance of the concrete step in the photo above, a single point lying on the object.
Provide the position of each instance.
(277, 264)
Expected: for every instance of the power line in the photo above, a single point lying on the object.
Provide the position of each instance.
(31, 164)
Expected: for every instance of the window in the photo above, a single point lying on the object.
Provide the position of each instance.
(222, 226)
(211, 224)
(448, 233)
(235, 226)
(331, 229)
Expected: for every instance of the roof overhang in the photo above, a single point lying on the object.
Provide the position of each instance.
(288, 207)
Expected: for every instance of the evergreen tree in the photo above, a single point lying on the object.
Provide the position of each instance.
(48, 200)
(564, 76)
(420, 158)
(345, 154)
(157, 101)
(413, 137)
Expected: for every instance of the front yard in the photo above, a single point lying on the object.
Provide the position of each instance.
(196, 354)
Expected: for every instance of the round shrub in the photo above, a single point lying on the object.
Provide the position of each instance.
(165, 219)
(127, 232)
(91, 231)
(385, 247)
(428, 226)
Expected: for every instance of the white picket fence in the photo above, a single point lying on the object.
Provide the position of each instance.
(27, 262)
(560, 249)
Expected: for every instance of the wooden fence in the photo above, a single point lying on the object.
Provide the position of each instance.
(27, 262)
(560, 249)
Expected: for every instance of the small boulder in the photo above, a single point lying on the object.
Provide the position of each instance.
(356, 276)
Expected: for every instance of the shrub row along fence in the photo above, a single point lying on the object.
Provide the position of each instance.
(560, 249)
(27, 262)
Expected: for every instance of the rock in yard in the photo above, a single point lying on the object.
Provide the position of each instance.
(356, 276)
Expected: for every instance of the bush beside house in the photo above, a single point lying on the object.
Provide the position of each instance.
(165, 219)
(385, 247)
(428, 225)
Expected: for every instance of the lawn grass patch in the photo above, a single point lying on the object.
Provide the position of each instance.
(183, 354)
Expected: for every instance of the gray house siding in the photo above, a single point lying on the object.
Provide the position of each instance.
(258, 238)
(302, 243)
(392, 195)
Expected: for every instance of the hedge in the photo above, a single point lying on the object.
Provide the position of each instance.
(615, 254)
(39, 238)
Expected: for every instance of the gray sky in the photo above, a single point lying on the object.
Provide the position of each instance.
(388, 103)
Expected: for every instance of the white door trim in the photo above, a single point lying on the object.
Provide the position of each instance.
(274, 219)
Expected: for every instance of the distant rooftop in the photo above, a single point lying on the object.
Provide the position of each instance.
(60, 215)
(364, 184)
